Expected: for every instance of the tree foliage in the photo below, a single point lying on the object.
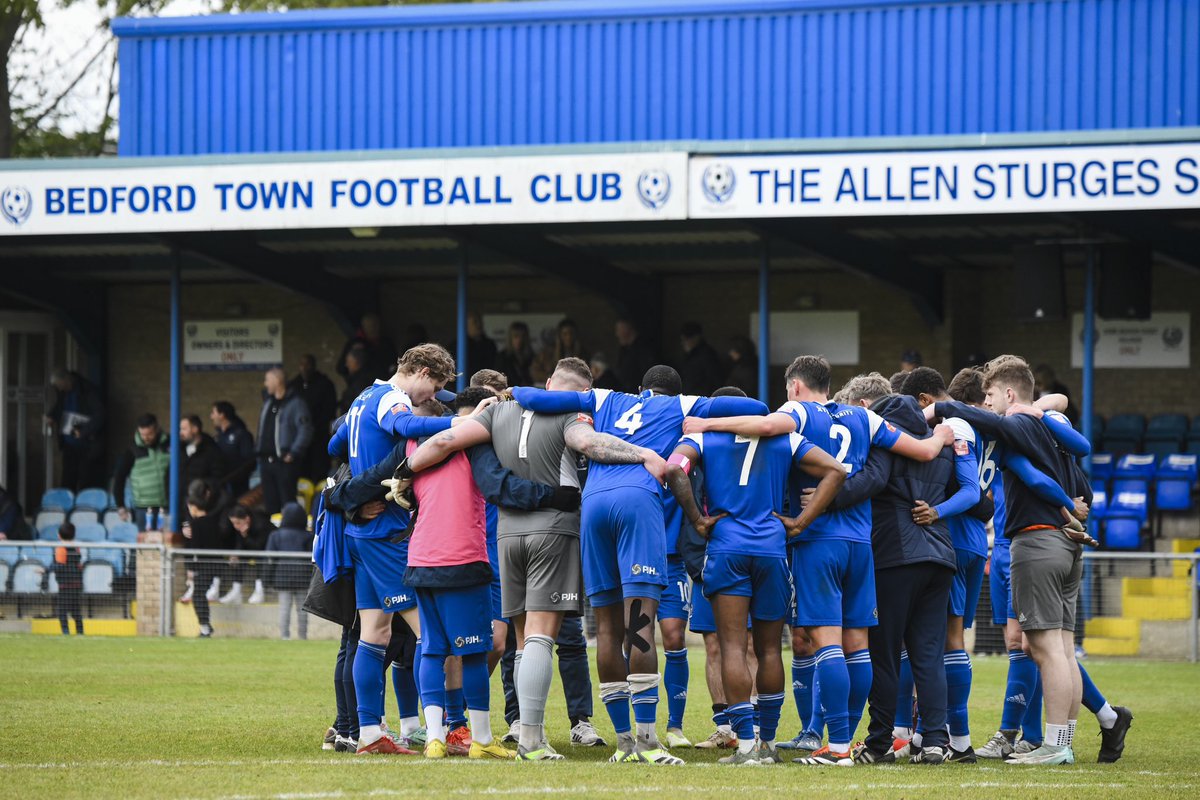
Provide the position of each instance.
(35, 129)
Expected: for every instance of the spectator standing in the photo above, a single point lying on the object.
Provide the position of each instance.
(321, 398)
(481, 351)
(290, 577)
(236, 445)
(743, 373)
(603, 376)
(248, 531)
(201, 457)
(12, 518)
(358, 377)
(566, 345)
(284, 433)
(634, 356)
(1046, 382)
(516, 360)
(701, 368)
(78, 417)
(68, 571)
(144, 465)
(380, 351)
(206, 530)
(910, 359)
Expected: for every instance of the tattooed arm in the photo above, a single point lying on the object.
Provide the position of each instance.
(434, 451)
(607, 449)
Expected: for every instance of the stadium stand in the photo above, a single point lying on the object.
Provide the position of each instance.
(58, 499)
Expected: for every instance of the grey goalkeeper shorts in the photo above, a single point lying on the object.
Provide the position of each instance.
(540, 572)
(1045, 573)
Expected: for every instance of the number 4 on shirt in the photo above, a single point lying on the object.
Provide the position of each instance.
(630, 421)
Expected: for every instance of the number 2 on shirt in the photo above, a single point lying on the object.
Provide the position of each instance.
(630, 421)
(842, 434)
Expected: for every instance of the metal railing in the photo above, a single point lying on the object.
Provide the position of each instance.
(1131, 604)
(111, 577)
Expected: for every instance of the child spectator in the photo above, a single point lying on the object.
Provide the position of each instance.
(290, 576)
(68, 570)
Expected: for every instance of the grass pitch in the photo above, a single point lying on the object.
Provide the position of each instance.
(176, 718)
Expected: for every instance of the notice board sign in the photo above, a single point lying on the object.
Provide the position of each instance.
(232, 344)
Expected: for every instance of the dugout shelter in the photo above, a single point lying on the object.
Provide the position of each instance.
(856, 178)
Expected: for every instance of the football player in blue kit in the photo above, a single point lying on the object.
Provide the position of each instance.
(1024, 676)
(624, 541)
(832, 563)
(746, 569)
(377, 420)
(674, 609)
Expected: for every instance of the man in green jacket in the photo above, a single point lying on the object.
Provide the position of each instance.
(145, 465)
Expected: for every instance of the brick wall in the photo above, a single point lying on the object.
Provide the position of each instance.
(977, 321)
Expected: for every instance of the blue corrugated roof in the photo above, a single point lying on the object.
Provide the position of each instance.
(482, 13)
(588, 72)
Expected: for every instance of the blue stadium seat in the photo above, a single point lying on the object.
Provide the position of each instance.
(1128, 502)
(1135, 466)
(1099, 500)
(84, 516)
(51, 582)
(94, 499)
(1123, 433)
(1103, 466)
(46, 519)
(48, 533)
(58, 499)
(5, 573)
(1173, 482)
(1194, 432)
(1122, 533)
(28, 577)
(93, 532)
(43, 554)
(1167, 427)
(111, 518)
(1161, 447)
(1192, 447)
(10, 555)
(98, 577)
(107, 555)
(123, 532)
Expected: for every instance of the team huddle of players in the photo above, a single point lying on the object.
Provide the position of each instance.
(715, 514)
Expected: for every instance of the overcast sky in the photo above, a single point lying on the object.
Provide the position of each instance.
(71, 37)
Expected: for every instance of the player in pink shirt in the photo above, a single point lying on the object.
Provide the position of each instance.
(449, 569)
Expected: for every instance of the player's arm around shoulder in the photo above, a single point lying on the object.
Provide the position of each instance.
(436, 449)
(606, 449)
(774, 424)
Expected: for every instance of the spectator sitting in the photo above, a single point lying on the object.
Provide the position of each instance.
(516, 359)
(380, 361)
(358, 377)
(145, 465)
(236, 446)
(250, 531)
(290, 577)
(68, 571)
(744, 371)
(78, 420)
(12, 518)
(700, 369)
(321, 398)
(206, 530)
(201, 457)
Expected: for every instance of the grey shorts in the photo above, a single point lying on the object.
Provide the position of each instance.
(1045, 573)
(540, 572)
